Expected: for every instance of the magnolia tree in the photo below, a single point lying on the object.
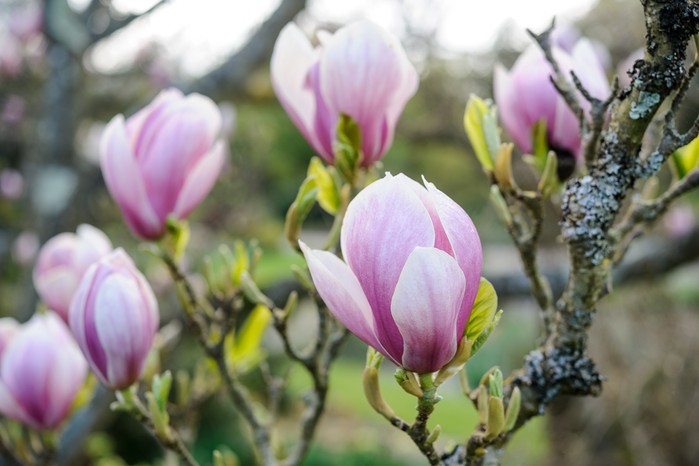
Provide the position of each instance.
(401, 264)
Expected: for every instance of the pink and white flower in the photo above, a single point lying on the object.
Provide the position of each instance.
(411, 272)
(63, 261)
(361, 71)
(41, 372)
(114, 318)
(525, 95)
(162, 161)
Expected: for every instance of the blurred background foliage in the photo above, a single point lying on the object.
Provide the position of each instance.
(52, 106)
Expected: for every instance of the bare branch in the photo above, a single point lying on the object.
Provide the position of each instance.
(231, 76)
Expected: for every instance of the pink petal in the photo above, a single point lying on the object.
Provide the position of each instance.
(56, 288)
(82, 326)
(359, 71)
(123, 333)
(139, 126)
(590, 69)
(343, 294)
(533, 89)
(10, 407)
(182, 135)
(93, 245)
(200, 180)
(124, 181)
(292, 59)
(324, 122)
(465, 248)
(406, 88)
(426, 306)
(383, 225)
(510, 113)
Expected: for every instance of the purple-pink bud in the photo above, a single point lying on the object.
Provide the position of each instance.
(413, 265)
(63, 261)
(525, 95)
(41, 372)
(162, 161)
(361, 71)
(114, 318)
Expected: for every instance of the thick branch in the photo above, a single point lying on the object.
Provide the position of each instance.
(233, 74)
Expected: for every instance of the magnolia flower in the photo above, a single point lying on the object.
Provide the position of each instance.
(525, 96)
(413, 265)
(41, 372)
(114, 317)
(163, 160)
(361, 71)
(63, 261)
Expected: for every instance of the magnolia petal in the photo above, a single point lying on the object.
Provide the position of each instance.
(183, 134)
(66, 375)
(508, 110)
(292, 59)
(10, 407)
(533, 91)
(82, 326)
(93, 244)
(138, 125)
(200, 180)
(359, 70)
(465, 247)
(405, 90)
(124, 181)
(121, 329)
(343, 294)
(590, 69)
(56, 288)
(383, 225)
(426, 307)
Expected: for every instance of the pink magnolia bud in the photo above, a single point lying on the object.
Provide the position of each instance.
(63, 261)
(41, 372)
(163, 160)
(525, 95)
(413, 265)
(114, 317)
(361, 71)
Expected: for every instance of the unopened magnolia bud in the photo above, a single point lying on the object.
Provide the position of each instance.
(372, 391)
(513, 409)
(495, 383)
(434, 435)
(482, 405)
(114, 318)
(496, 417)
(408, 382)
(503, 166)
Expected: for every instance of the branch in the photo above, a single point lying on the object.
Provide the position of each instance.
(645, 213)
(118, 24)
(233, 74)
(591, 204)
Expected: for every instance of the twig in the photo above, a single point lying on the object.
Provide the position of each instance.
(642, 214)
(170, 439)
(560, 82)
(237, 392)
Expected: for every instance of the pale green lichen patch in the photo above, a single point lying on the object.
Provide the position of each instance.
(645, 104)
